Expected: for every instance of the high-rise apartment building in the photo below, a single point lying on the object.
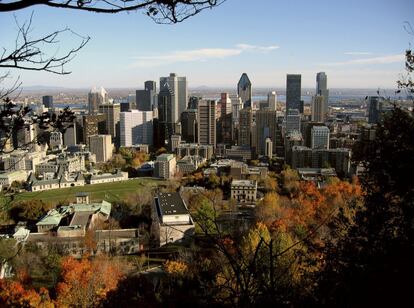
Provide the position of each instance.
(245, 127)
(101, 146)
(178, 87)
(322, 89)
(96, 97)
(272, 100)
(293, 92)
(136, 128)
(318, 108)
(320, 137)
(111, 112)
(244, 90)
(266, 127)
(207, 122)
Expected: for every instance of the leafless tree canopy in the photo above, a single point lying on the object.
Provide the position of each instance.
(162, 11)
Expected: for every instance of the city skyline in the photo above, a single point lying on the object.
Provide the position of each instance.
(215, 48)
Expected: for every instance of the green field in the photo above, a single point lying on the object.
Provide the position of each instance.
(109, 191)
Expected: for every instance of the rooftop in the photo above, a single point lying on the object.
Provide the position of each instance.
(171, 204)
(165, 157)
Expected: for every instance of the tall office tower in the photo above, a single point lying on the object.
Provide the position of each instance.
(47, 101)
(193, 102)
(136, 128)
(24, 137)
(266, 127)
(207, 122)
(145, 99)
(292, 121)
(93, 125)
(70, 135)
(177, 86)
(189, 125)
(320, 137)
(318, 108)
(293, 88)
(374, 107)
(125, 106)
(131, 101)
(244, 90)
(111, 112)
(272, 100)
(236, 106)
(245, 126)
(167, 110)
(225, 130)
(101, 146)
(96, 97)
(322, 89)
(268, 148)
(225, 103)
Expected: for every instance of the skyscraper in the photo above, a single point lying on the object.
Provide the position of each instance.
(136, 128)
(178, 86)
(207, 122)
(272, 100)
(93, 125)
(245, 126)
(322, 88)
(96, 97)
(146, 99)
(225, 103)
(189, 125)
(374, 107)
(320, 137)
(318, 108)
(244, 90)
(266, 126)
(47, 101)
(293, 89)
(292, 121)
(111, 112)
(236, 106)
(167, 109)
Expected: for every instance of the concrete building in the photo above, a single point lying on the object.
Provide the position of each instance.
(318, 108)
(56, 140)
(112, 116)
(7, 178)
(207, 122)
(320, 137)
(244, 90)
(244, 190)
(70, 136)
(191, 149)
(118, 176)
(268, 148)
(171, 220)
(322, 90)
(93, 125)
(293, 92)
(189, 164)
(101, 146)
(175, 141)
(165, 166)
(136, 127)
(96, 97)
(236, 106)
(292, 139)
(245, 127)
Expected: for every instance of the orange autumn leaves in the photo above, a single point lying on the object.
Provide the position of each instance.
(83, 283)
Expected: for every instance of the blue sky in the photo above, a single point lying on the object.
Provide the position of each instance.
(359, 44)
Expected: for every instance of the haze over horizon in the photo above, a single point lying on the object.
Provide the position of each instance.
(360, 47)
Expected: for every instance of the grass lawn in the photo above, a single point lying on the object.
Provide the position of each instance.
(109, 191)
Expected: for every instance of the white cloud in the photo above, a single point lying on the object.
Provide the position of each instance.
(358, 53)
(367, 61)
(202, 54)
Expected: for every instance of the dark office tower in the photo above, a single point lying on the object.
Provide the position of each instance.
(111, 112)
(93, 125)
(193, 102)
(266, 127)
(245, 126)
(225, 132)
(322, 88)
(293, 88)
(189, 125)
(244, 90)
(47, 101)
(207, 122)
(145, 99)
(225, 103)
(125, 106)
(374, 106)
(166, 121)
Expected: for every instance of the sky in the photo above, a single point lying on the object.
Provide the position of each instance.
(359, 44)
